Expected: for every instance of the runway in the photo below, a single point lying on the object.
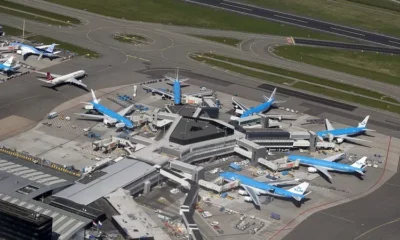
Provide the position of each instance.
(301, 21)
(169, 48)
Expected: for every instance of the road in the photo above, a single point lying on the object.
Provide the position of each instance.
(302, 21)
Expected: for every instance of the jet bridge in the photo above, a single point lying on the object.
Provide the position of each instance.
(176, 177)
(219, 187)
(279, 164)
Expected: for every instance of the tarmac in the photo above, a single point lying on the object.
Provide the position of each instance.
(25, 101)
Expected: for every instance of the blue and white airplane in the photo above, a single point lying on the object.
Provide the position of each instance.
(255, 188)
(9, 66)
(339, 135)
(244, 111)
(42, 51)
(109, 116)
(327, 164)
(176, 94)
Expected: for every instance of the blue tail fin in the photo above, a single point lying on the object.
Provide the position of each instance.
(51, 48)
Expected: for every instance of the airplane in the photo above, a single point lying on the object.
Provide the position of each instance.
(67, 78)
(109, 116)
(244, 111)
(328, 164)
(255, 188)
(339, 135)
(43, 51)
(176, 94)
(9, 65)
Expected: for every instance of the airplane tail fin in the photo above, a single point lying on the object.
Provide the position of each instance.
(9, 62)
(49, 77)
(51, 48)
(94, 97)
(359, 163)
(272, 97)
(299, 189)
(364, 122)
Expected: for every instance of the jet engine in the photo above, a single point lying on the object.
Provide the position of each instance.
(248, 199)
(339, 140)
(19, 52)
(120, 125)
(243, 193)
(312, 170)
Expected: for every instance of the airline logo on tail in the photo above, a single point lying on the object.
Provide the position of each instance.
(51, 48)
(363, 123)
(9, 62)
(360, 163)
(49, 77)
(272, 98)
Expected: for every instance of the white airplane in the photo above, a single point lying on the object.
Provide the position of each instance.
(60, 79)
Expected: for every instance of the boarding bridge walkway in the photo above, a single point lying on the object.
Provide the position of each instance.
(219, 188)
(175, 177)
(208, 153)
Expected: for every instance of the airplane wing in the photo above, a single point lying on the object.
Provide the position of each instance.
(52, 74)
(323, 170)
(125, 110)
(109, 120)
(352, 138)
(281, 182)
(253, 195)
(170, 95)
(328, 125)
(76, 82)
(275, 116)
(91, 115)
(44, 80)
(45, 46)
(199, 94)
(241, 106)
(334, 157)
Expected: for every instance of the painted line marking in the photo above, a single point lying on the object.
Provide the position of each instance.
(248, 9)
(394, 42)
(130, 56)
(290, 18)
(330, 215)
(347, 31)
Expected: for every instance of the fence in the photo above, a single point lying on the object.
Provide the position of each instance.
(42, 162)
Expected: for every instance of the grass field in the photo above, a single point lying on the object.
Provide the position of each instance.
(66, 46)
(12, 31)
(380, 67)
(186, 14)
(346, 97)
(229, 41)
(385, 4)
(244, 71)
(303, 86)
(62, 20)
(371, 15)
(304, 77)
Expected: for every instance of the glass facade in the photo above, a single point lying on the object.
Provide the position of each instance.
(20, 223)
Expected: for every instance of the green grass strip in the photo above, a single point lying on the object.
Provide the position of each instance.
(346, 97)
(304, 77)
(64, 19)
(181, 13)
(247, 72)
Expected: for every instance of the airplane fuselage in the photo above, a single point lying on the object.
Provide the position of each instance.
(77, 75)
(257, 109)
(350, 131)
(108, 112)
(177, 92)
(260, 187)
(340, 167)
